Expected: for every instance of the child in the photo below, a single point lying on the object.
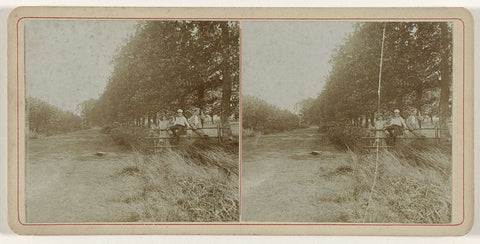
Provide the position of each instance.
(379, 129)
(162, 130)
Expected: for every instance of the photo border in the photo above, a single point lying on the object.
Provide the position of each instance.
(16, 89)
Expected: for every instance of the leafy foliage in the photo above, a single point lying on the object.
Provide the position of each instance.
(46, 119)
(168, 65)
(347, 136)
(130, 137)
(416, 72)
(262, 116)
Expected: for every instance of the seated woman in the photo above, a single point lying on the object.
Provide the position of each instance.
(196, 123)
(379, 130)
(162, 129)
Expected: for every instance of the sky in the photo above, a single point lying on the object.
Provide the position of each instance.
(286, 62)
(69, 61)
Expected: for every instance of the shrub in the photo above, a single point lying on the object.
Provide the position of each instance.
(261, 116)
(248, 132)
(131, 137)
(46, 119)
(346, 136)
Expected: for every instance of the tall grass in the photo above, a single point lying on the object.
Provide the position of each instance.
(130, 137)
(346, 136)
(195, 184)
(413, 186)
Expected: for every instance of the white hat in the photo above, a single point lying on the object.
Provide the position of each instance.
(179, 111)
(396, 111)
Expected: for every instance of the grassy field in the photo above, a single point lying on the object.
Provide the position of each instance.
(413, 185)
(178, 186)
(67, 182)
(282, 181)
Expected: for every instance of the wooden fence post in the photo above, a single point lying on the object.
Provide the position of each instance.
(219, 133)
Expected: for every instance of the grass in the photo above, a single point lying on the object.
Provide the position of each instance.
(194, 184)
(413, 186)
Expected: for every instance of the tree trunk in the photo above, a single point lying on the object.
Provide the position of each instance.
(418, 105)
(200, 98)
(201, 102)
(227, 81)
(419, 119)
(445, 82)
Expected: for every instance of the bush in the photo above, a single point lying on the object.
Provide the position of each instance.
(248, 132)
(261, 116)
(131, 137)
(346, 136)
(46, 119)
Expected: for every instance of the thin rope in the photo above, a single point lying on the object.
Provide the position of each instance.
(376, 134)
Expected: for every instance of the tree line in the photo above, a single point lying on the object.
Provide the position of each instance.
(258, 115)
(167, 65)
(416, 74)
(46, 119)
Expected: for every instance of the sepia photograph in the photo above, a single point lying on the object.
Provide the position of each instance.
(131, 121)
(347, 121)
(240, 121)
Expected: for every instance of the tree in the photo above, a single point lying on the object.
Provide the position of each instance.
(47, 119)
(259, 115)
(303, 107)
(416, 72)
(168, 65)
(446, 77)
(87, 111)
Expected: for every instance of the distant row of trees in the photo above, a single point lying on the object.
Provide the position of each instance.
(259, 115)
(167, 65)
(416, 73)
(44, 118)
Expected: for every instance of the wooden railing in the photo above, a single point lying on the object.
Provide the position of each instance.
(213, 132)
(373, 140)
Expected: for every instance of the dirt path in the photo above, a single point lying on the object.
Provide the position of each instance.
(282, 181)
(66, 182)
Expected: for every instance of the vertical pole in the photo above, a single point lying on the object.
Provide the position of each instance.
(378, 111)
(380, 72)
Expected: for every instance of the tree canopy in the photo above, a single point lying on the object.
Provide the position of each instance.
(47, 119)
(416, 72)
(167, 65)
(259, 115)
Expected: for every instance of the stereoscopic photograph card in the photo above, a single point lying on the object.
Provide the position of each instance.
(273, 121)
